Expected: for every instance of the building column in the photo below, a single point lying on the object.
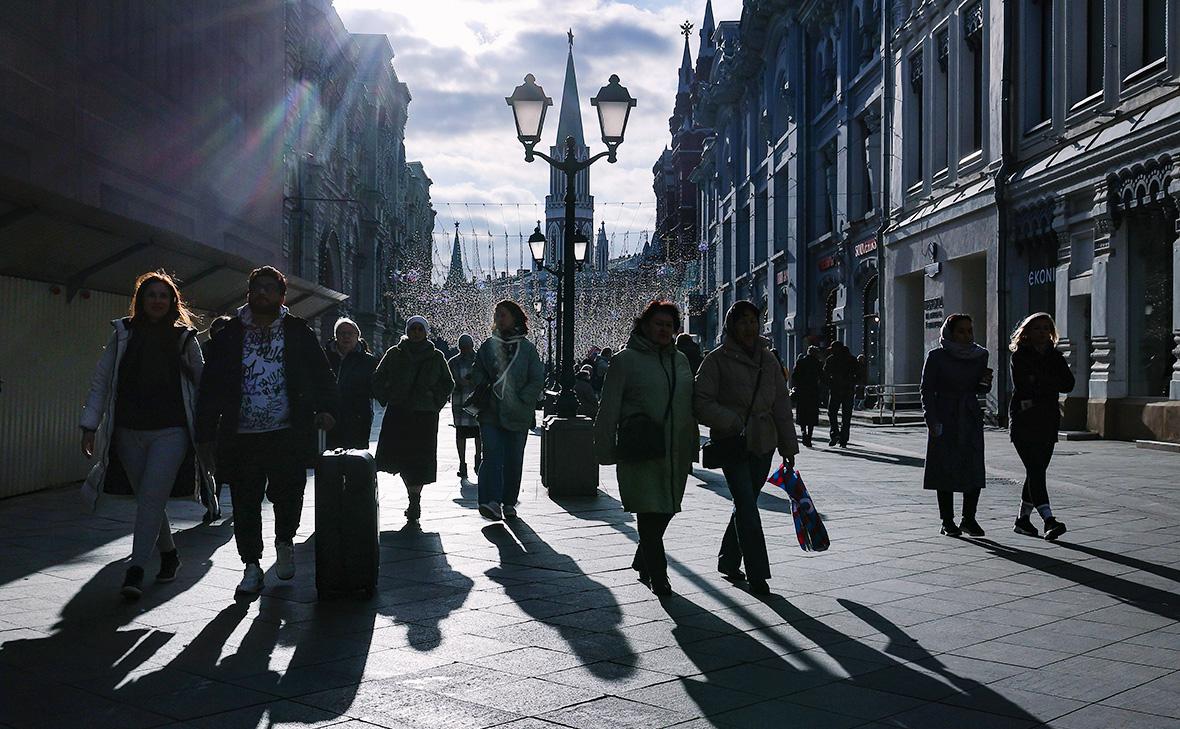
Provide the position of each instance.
(1108, 316)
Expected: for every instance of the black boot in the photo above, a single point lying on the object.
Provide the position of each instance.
(133, 583)
(169, 564)
(414, 510)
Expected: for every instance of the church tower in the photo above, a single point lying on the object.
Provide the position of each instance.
(569, 124)
(601, 256)
(455, 276)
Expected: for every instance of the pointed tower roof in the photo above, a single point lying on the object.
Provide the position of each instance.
(569, 124)
(601, 249)
(455, 274)
(685, 63)
(708, 25)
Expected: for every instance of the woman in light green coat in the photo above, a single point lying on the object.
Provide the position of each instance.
(646, 426)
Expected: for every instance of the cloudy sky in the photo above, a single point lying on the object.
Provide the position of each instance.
(460, 59)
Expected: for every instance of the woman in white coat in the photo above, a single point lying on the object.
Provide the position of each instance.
(138, 419)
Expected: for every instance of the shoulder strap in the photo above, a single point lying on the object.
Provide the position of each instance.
(757, 384)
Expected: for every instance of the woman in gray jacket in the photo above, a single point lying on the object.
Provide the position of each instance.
(141, 402)
(508, 366)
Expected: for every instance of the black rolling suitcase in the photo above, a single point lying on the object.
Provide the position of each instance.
(346, 523)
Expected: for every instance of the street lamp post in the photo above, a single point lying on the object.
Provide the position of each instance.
(568, 467)
(537, 246)
(529, 103)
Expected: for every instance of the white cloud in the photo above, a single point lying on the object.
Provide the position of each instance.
(460, 58)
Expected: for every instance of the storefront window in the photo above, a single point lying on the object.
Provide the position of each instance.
(1042, 274)
(1150, 303)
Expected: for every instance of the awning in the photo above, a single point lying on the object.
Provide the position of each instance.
(45, 237)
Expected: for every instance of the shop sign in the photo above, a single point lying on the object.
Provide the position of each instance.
(827, 262)
(1042, 276)
(865, 247)
(781, 277)
(933, 310)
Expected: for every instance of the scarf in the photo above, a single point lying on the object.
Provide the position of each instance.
(958, 350)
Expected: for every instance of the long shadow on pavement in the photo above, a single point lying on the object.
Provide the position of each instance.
(1150, 599)
(892, 459)
(1168, 573)
(822, 676)
(73, 673)
(428, 589)
(518, 544)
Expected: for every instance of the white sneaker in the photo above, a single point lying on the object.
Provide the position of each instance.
(509, 511)
(252, 580)
(491, 510)
(285, 564)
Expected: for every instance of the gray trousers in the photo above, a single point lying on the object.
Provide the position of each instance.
(151, 459)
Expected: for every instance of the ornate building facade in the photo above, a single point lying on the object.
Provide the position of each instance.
(790, 180)
(937, 156)
(350, 213)
(203, 138)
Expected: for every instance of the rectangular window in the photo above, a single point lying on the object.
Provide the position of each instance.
(914, 121)
(761, 233)
(972, 104)
(1046, 59)
(942, 105)
(1095, 46)
(1155, 30)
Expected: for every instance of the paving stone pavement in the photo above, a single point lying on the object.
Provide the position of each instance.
(539, 622)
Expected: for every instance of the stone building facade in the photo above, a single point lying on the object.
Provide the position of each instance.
(938, 156)
(790, 179)
(1060, 196)
(192, 137)
(348, 204)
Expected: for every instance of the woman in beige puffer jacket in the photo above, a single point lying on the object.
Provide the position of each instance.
(733, 397)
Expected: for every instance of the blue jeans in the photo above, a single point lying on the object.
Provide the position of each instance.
(503, 459)
(744, 540)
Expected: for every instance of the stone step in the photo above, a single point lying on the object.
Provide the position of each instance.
(1158, 445)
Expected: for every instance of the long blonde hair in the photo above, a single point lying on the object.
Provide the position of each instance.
(1018, 334)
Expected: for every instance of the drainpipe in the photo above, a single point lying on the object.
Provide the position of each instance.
(886, 178)
(1007, 84)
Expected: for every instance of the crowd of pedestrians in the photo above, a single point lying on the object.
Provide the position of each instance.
(254, 405)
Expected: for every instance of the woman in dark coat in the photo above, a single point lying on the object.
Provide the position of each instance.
(414, 383)
(1039, 374)
(806, 380)
(954, 376)
(353, 367)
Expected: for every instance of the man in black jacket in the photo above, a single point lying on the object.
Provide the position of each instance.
(265, 390)
(840, 370)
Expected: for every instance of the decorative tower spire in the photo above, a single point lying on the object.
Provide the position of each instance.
(569, 123)
(601, 250)
(683, 108)
(707, 27)
(455, 274)
(708, 49)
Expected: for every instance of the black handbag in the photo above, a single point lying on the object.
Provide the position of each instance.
(639, 437)
(720, 452)
(479, 400)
